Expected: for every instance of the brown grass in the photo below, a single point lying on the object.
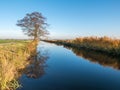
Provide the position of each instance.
(101, 44)
(13, 58)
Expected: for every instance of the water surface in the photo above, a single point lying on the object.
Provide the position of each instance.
(60, 68)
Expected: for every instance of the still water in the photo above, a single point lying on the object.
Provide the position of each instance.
(63, 68)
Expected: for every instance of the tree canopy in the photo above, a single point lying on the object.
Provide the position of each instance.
(34, 25)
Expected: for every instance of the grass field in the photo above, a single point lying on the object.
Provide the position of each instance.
(12, 41)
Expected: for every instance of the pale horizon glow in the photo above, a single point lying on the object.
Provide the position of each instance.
(67, 18)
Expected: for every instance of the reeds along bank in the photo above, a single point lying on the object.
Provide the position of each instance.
(105, 44)
(13, 59)
(101, 44)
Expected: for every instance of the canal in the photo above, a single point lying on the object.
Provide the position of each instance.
(65, 68)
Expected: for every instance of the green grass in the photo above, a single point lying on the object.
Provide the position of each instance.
(13, 41)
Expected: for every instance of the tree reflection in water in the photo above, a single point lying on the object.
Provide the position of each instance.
(36, 69)
(97, 57)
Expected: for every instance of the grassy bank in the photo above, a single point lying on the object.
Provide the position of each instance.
(13, 59)
(103, 44)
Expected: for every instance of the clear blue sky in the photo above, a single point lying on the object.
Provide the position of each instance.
(67, 18)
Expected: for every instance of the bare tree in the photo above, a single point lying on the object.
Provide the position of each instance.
(34, 25)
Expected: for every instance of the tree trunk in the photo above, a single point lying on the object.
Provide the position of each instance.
(36, 37)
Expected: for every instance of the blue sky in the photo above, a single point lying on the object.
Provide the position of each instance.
(67, 18)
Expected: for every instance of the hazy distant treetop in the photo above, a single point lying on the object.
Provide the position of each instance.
(34, 25)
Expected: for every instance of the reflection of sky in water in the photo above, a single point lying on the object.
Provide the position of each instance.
(66, 71)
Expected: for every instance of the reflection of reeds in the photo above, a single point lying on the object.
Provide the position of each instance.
(103, 44)
(91, 47)
(97, 57)
(13, 58)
